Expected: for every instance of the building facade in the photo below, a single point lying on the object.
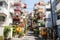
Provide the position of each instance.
(48, 21)
(11, 12)
(58, 15)
(51, 14)
(39, 9)
(5, 18)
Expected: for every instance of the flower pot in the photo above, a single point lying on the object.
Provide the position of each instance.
(5, 38)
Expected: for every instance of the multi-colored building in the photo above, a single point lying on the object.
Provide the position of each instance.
(58, 16)
(39, 9)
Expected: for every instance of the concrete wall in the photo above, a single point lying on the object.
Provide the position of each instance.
(1, 31)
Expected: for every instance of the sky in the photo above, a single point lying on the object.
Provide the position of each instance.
(30, 4)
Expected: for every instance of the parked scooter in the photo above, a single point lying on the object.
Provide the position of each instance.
(43, 33)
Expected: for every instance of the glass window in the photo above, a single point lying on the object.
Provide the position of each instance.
(58, 17)
(48, 9)
(2, 18)
(1, 3)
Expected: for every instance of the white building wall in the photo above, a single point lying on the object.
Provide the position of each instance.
(48, 14)
(1, 31)
(8, 19)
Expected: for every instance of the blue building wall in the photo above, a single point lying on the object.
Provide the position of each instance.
(49, 19)
(55, 18)
(54, 13)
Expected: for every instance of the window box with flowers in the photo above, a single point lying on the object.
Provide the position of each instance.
(17, 31)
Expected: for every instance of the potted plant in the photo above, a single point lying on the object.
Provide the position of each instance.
(21, 34)
(14, 30)
(6, 32)
(36, 32)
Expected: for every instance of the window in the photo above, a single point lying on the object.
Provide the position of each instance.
(1, 3)
(2, 18)
(58, 17)
(48, 9)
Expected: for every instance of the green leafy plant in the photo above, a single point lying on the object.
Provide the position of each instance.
(21, 33)
(14, 30)
(36, 32)
(6, 31)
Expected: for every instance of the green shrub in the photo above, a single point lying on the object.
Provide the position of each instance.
(14, 30)
(6, 31)
(21, 33)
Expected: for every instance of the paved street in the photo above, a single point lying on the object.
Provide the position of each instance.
(28, 36)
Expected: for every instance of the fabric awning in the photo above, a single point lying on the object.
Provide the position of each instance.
(2, 14)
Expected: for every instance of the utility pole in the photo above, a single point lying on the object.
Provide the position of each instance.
(53, 28)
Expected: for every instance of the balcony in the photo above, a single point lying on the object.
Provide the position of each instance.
(17, 7)
(16, 20)
(48, 6)
(3, 4)
(57, 1)
(58, 7)
(16, 17)
(17, 4)
(2, 18)
(3, 10)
